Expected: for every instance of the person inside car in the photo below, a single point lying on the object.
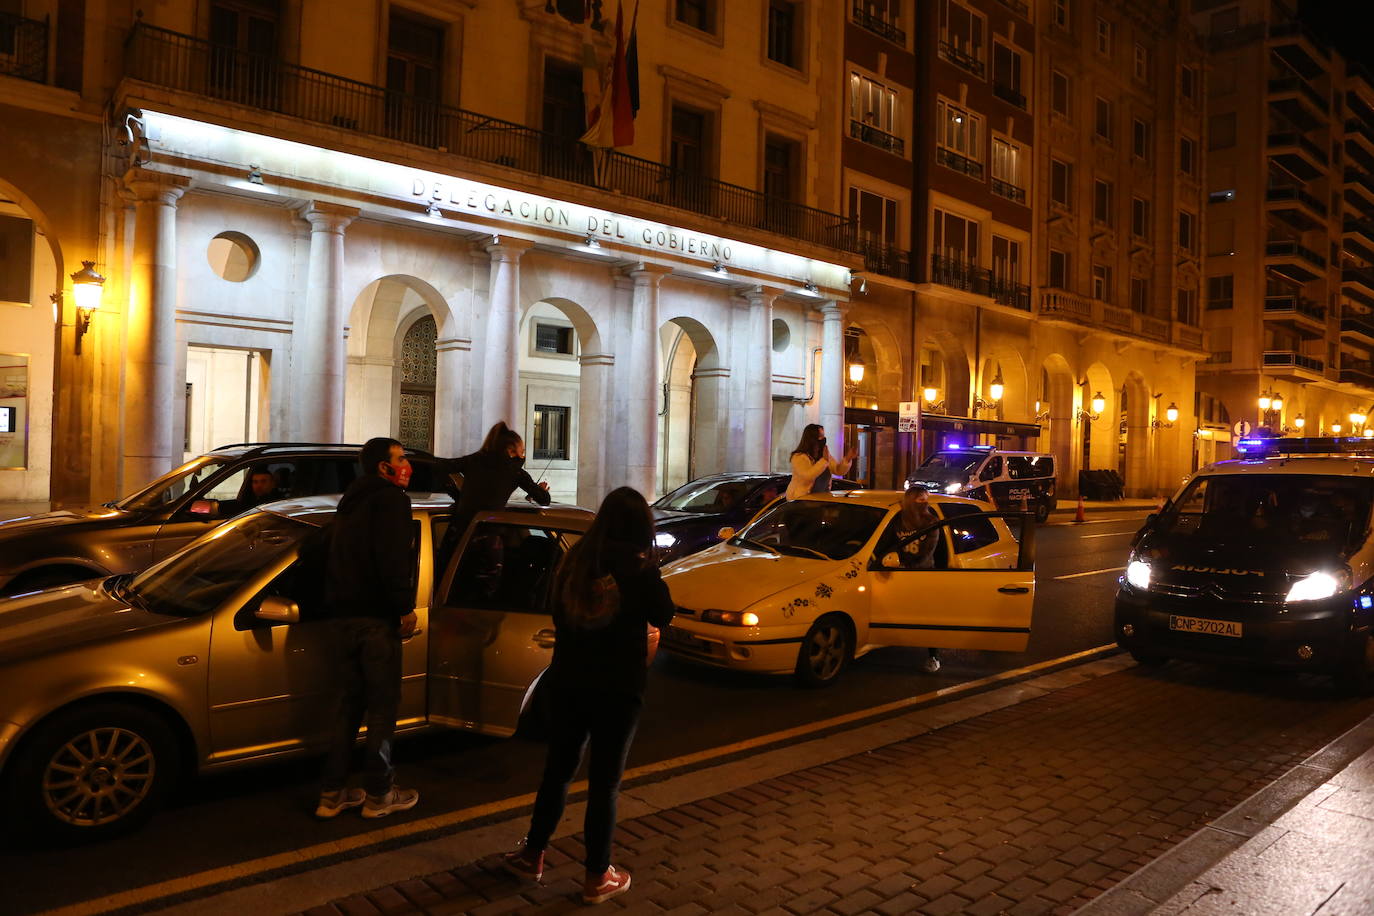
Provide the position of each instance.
(262, 488)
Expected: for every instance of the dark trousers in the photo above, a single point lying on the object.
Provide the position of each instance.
(367, 665)
(609, 721)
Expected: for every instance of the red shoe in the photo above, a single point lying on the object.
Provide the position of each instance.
(524, 864)
(600, 888)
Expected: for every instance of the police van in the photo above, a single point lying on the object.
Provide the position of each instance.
(1265, 559)
(996, 475)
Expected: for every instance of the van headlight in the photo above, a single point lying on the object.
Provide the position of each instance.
(953, 487)
(1138, 574)
(1314, 587)
(663, 540)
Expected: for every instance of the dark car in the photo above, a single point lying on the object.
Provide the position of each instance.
(130, 534)
(689, 518)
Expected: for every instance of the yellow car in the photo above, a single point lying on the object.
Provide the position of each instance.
(812, 583)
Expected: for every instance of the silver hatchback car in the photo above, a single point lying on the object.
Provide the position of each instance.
(217, 657)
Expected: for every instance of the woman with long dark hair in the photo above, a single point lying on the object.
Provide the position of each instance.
(812, 465)
(607, 593)
(490, 475)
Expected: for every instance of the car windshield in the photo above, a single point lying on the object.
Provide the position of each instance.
(829, 528)
(173, 485)
(707, 495)
(197, 579)
(952, 463)
(1277, 510)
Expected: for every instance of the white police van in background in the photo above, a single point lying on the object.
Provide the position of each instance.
(1007, 478)
(1266, 559)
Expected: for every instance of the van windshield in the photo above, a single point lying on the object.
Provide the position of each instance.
(1275, 510)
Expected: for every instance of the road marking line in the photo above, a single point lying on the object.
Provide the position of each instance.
(242, 871)
(1091, 521)
(1091, 572)
(1114, 534)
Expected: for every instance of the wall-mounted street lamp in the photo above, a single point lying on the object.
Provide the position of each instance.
(87, 286)
(1335, 429)
(995, 391)
(856, 373)
(1170, 418)
(931, 395)
(1271, 408)
(1042, 411)
(1098, 405)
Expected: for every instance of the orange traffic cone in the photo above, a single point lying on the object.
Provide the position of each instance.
(1080, 515)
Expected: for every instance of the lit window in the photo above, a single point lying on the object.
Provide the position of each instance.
(551, 432)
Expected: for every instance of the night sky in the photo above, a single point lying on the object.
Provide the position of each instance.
(1346, 24)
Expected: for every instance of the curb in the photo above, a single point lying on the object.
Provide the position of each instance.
(1154, 884)
(314, 883)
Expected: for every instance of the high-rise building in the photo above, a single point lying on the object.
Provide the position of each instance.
(1289, 296)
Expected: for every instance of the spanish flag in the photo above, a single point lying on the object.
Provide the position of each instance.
(611, 121)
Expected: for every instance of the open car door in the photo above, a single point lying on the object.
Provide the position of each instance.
(979, 595)
(491, 633)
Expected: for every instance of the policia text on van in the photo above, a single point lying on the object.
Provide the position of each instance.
(1267, 559)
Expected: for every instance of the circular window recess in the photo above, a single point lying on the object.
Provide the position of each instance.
(782, 335)
(233, 256)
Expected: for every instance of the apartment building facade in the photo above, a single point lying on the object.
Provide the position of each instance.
(328, 221)
(1289, 298)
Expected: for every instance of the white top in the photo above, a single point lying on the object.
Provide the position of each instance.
(805, 471)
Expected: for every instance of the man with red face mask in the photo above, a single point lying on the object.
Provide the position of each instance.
(370, 595)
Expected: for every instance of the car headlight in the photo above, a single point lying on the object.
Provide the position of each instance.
(1138, 574)
(953, 487)
(663, 540)
(1314, 587)
(730, 618)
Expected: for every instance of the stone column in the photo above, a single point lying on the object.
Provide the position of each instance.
(594, 398)
(501, 365)
(832, 376)
(646, 376)
(758, 412)
(318, 345)
(451, 427)
(151, 399)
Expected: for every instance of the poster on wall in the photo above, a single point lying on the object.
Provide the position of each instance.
(14, 421)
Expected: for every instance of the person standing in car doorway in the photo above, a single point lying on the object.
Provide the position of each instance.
(812, 466)
(918, 553)
(490, 475)
(370, 599)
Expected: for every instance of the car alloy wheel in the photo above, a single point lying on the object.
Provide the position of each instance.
(825, 652)
(99, 777)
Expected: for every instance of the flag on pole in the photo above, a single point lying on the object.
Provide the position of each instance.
(632, 62)
(611, 123)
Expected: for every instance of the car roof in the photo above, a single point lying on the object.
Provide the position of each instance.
(885, 499)
(989, 450)
(267, 449)
(558, 513)
(1293, 464)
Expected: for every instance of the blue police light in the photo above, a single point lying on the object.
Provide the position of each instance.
(1366, 602)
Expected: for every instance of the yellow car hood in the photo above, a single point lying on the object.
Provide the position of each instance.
(734, 578)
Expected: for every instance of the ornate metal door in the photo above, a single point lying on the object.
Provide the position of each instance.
(418, 364)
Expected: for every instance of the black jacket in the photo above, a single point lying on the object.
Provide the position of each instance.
(370, 572)
(488, 482)
(614, 657)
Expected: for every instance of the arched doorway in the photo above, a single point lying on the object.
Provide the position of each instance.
(1055, 412)
(692, 414)
(418, 369)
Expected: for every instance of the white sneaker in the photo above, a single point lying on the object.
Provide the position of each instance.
(332, 804)
(932, 664)
(394, 800)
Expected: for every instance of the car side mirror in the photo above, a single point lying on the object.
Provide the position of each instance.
(205, 508)
(725, 533)
(278, 610)
(892, 561)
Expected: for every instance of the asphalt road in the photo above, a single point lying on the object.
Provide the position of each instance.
(236, 818)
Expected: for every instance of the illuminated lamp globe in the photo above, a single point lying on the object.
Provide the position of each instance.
(1299, 421)
(931, 395)
(1265, 401)
(1171, 413)
(1369, 432)
(1276, 403)
(1099, 403)
(997, 389)
(1335, 429)
(87, 286)
(856, 372)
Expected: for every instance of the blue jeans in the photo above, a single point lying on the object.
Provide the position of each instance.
(367, 664)
(609, 721)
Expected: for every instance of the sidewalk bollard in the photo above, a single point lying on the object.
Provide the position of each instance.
(1080, 515)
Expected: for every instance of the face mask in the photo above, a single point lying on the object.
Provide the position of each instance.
(518, 460)
(398, 474)
(821, 442)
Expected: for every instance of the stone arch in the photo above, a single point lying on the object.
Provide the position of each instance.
(382, 312)
(957, 374)
(1133, 413)
(1057, 411)
(693, 409)
(1016, 396)
(581, 476)
(1097, 437)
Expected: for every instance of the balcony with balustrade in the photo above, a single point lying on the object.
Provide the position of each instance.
(1295, 206)
(1298, 154)
(1357, 327)
(1360, 133)
(1297, 100)
(1294, 260)
(960, 163)
(1293, 366)
(184, 72)
(1305, 317)
(962, 59)
(875, 136)
(1063, 307)
(876, 23)
(1358, 372)
(24, 47)
(1359, 185)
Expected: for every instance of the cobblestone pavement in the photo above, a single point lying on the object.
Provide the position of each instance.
(1033, 808)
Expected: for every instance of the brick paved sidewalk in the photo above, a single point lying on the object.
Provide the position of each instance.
(1032, 808)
